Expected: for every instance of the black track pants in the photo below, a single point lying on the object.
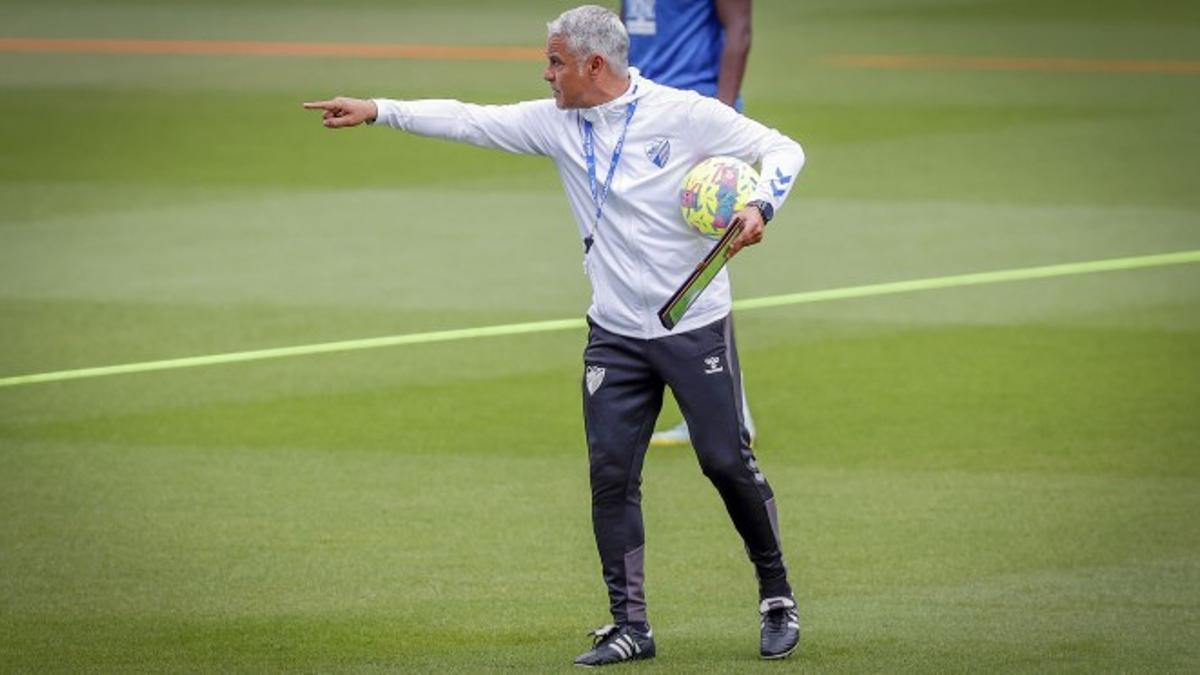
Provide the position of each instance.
(622, 395)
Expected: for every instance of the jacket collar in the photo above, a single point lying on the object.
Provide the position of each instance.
(613, 111)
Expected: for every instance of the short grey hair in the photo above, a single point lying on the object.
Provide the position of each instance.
(592, 29)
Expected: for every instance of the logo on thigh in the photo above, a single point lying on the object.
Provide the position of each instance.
(593, 377)
(712, 364)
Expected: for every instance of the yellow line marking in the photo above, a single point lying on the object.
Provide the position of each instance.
(955, 281)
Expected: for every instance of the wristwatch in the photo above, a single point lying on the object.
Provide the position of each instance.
(764, 207)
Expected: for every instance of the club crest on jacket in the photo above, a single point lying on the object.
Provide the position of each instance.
(659, 151)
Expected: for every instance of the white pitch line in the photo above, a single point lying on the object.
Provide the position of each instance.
(932, 283)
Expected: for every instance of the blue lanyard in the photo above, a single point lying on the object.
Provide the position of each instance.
(589, 153)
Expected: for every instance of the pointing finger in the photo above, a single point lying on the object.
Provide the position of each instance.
(314, 105)
(336, 122)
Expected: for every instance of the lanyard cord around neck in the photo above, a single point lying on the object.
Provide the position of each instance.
(599, 197)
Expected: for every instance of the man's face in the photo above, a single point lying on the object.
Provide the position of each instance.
(565, 74)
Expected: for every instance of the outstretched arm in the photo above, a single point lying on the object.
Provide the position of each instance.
(341, 111)
(735, 19)
(524, 128)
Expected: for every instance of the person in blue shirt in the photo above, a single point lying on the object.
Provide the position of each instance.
(702, 45)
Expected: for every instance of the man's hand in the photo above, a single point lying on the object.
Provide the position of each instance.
(752, 229)
(344, 112)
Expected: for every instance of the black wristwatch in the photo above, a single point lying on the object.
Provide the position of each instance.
(764, 207)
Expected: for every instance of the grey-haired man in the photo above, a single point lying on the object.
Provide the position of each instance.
(598, 128)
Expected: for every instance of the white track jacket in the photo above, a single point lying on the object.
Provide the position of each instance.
(643, 250)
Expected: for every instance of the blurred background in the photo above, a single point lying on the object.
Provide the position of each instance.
(993, 477)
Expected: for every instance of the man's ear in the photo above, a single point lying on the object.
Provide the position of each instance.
(595, 65)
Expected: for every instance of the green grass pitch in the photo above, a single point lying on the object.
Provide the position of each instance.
(991, 478)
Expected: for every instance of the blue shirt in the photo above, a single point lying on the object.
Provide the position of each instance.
(676, 42)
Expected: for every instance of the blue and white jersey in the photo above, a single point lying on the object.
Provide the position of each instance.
(676, 42)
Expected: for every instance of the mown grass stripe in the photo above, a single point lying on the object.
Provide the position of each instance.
(1061, 65)
(453, 52)
(424, 52)
(914, 285)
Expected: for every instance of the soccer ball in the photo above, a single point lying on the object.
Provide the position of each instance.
(713, 191)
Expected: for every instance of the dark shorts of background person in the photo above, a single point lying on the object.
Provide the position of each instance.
(623, 386)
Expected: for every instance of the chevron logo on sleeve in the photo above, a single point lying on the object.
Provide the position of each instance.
(779, 183)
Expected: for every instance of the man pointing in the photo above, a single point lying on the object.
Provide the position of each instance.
(637, 249)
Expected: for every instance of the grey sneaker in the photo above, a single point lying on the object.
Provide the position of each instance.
(616, 644)
(780, 627)
(676, 435)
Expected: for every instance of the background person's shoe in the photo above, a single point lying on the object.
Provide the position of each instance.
(616, 644)
(780, 627)
(676, 435)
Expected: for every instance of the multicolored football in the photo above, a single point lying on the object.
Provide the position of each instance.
(713, 191)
